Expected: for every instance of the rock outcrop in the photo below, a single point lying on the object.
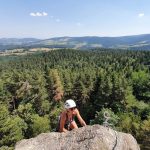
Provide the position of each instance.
(94, 137)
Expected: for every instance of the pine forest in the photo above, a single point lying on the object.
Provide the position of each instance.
(34, 87)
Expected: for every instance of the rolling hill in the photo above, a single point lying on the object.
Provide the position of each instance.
(135, 42)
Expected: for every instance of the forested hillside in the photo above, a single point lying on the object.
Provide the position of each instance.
(33, 89)
(133, 42)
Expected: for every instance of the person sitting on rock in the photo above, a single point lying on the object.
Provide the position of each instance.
(66, 119)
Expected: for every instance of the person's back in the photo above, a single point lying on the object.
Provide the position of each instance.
(66, 121)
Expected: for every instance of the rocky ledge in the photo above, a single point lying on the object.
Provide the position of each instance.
(94, 137)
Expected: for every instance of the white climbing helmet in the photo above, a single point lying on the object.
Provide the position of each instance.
(70, 104)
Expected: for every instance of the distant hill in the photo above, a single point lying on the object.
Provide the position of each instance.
(11, 43)
(135, 42)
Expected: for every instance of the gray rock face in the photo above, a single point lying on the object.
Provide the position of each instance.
(94, 137)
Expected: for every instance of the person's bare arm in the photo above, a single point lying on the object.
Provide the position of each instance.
(82, 122)
(62, 123)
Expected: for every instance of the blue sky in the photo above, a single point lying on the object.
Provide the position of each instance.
(55, 18)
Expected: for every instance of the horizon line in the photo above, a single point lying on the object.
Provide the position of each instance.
(30, 37)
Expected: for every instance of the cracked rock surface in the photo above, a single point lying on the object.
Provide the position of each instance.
(94, 137)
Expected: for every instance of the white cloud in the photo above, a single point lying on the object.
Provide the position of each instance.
(45, 14)
(32, 14)
(141, 15)
(57, 20)
(38, 14)
(52, 17)
(79, 24)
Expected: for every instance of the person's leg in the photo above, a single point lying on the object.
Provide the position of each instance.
(73, 125)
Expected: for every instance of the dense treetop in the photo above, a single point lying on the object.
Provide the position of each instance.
(33, 89)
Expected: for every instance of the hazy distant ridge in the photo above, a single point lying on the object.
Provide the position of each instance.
(141, 42)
